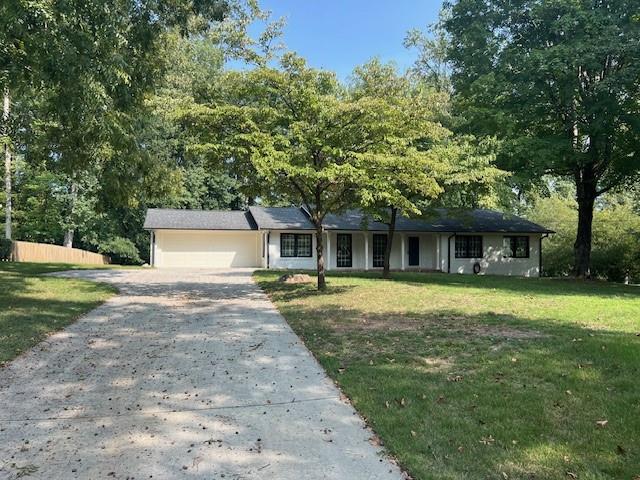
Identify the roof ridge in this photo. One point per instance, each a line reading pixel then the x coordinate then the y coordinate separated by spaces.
pixel 199 209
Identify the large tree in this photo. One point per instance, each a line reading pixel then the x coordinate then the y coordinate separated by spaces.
pixel 403 171
pixel 421 161
pixel 557 81
pixel 307 137
pixel 91 64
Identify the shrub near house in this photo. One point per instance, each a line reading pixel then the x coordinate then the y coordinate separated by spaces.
pixel 5 249
pixel 122 251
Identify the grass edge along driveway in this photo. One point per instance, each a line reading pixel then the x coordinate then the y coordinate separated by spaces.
pixel 469 377
pixel 33 305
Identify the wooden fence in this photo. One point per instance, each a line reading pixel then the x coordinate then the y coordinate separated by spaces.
pixel 42 252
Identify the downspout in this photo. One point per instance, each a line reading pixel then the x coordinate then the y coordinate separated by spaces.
pixel 546 235
pixel 268 249
pixel 449 252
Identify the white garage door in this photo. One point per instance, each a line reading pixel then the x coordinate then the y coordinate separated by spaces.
pixel 184 248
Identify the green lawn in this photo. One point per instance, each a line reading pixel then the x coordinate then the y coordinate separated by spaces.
pixel 33 306
pixel 468 377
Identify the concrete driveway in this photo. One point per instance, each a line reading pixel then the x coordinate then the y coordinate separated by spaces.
pixel 185 374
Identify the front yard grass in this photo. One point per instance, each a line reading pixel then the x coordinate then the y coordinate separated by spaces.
pixel 468 377
pixel 33 306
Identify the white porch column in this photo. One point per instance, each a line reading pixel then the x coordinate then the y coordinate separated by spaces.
pixel 366 251
pixel 265 249
pixel 438 260
pixel 402 249
pixel 152 260
pixel 327 260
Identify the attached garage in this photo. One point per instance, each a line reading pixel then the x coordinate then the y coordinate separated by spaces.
pixel 185 248
pixel 203 239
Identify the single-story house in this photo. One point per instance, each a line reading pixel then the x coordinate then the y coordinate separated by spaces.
pixel 474 241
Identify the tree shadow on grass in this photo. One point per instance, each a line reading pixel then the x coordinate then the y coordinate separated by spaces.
pixel 35 268
pixel 485 393
pixel 288 292
pixel 32 307
pixel 543 286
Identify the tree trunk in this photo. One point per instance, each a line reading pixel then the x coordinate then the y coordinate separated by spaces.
pixel 586 196
pixel 386 271
pixel 69 232
pixel 68 238
pixel 322 284
pixel 6 107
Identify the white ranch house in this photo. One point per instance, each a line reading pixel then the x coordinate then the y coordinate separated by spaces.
pixel 474 241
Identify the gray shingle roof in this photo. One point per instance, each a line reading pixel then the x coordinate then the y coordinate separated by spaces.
pixel 165 218
pixel 283 218
pixel 294 218
pixel 440 220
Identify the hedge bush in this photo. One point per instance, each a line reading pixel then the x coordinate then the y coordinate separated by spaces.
pixel 5 249
pixel 121 250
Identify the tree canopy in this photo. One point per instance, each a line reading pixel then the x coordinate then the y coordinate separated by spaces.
pixel 557 82
pixel 310 136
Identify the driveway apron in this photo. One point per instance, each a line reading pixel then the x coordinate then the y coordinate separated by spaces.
pixel 184 374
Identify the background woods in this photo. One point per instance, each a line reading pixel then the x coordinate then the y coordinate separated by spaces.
pixel 111 109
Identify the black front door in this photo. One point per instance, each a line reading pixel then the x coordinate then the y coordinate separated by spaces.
pixel 414 251
pixel 344 251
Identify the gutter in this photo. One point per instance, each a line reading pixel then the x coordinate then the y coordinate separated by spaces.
pixel 449 252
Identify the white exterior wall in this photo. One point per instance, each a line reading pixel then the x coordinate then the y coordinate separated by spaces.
pixel 357 246
pixel 493 261
pixel 206 248
pixel 293 263
pixel 427 251
pixel 221 249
